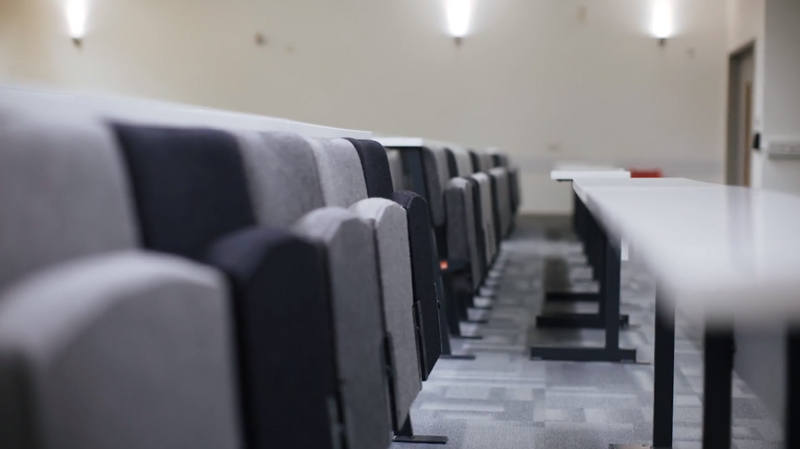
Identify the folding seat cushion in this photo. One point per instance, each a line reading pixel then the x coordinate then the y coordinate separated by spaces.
pixel 375 165
pixel 343 181
pixel 477 211
pixel 63 191
pixel 487 214
pixel 463 162
pixel 280 281
pixel 461 235
pixel 193 200
pixel 434 161
pixel 354 284
pixel 423 276
pixel 501 201
pixel 396 167
pixel 123 350
pixel 496 219
pixel 436 173
pixel 391 242
pixel 483 164
pixel 516 198
pixel 503 197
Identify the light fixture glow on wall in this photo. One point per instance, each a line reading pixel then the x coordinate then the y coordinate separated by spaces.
pixel 77 11
pixel 459 14
pixel 663 22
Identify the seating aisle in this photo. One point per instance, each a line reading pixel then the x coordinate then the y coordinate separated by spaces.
pixel 503 400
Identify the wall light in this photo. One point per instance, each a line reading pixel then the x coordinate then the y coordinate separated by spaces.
pixel 662 26
pixel 77 11
pixel 459 14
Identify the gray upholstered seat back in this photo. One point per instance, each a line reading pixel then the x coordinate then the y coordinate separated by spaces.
pixel 124 350
pixel 516 187
pixel 488 214
pixel 463 161
pixel 355 287
pixel 434 160
pixel 486 160
pixel 390 224
pixel 283 176
pixel 340 172
pixel 63 192
pixel 461 233
pixel 396 167
pixel 503 197
pixel 391 241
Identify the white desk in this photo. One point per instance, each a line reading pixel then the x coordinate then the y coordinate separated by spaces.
pixel 571 175
pixel 583 186
pixel 712 248
pixel 583 166
pixel 730 258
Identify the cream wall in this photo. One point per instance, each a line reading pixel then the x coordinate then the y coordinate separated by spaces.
pixel 533 77
pixel 772 25
pixel 781 108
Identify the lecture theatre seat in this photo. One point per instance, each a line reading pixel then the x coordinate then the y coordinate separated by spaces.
pixel 488 215
pixel 361 354
pixel 287 190
pixel 434 163
pixel 224 285
pixel 466 264
pixel 454 270
pixel 344 185
pixel 123 350
pixel 378 177
pixel 460 166
pixel 192 200
pixel 502 184
pixel 76 367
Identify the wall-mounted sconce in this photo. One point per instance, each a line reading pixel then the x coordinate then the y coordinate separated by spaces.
pixel 77 10
pixel 459 14
pixel 662 25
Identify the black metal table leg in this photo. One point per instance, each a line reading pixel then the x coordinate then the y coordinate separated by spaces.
pixel 792 413
pixel 664 379
pixel 717 388
pixel 609 274
pixel 664 382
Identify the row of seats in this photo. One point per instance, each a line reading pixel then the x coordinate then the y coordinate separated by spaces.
pixel 177 277
pixel 474 198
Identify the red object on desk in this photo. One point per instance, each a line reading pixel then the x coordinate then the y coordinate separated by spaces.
pixel 649 173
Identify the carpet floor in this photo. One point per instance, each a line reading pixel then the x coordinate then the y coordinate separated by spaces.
pixel 503 400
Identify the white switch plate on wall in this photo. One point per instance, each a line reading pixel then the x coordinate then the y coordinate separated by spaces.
pixel 783 149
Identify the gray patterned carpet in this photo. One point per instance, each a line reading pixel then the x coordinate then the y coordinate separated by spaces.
pixel 505 401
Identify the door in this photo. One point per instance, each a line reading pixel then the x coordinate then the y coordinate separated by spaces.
pixel 740 116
